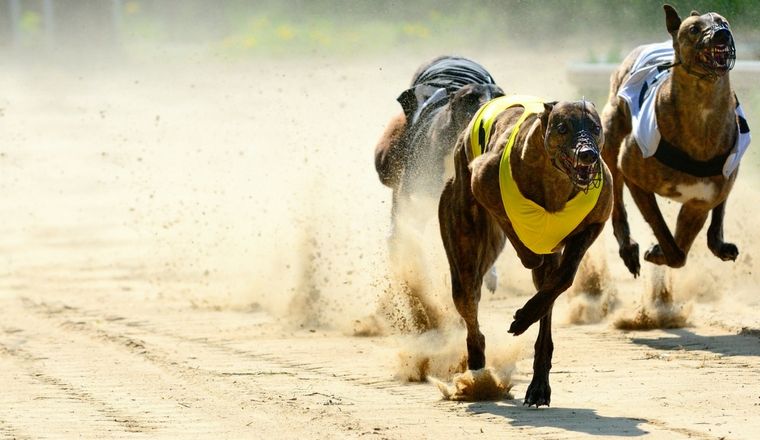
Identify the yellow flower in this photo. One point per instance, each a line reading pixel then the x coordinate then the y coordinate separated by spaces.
pixel 132 8
pixel 285 32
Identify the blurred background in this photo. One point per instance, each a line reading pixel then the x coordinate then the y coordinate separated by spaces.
pixel 237 28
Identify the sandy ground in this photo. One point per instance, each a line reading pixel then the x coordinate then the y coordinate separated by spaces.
pixel 185 252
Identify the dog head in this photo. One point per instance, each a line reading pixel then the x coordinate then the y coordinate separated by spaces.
pixel 467 100
pixel 572 139
pixel 704 44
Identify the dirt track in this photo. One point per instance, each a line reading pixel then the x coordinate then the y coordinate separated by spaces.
pixel 157 225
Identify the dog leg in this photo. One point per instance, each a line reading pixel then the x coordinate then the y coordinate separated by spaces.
pixel 473 241
pixel 616 126
pixel 628 249
pixel 539 392
pixel 470 257
pixel 557 281
pixel 690 221
pixel 721 249
pixel 666 251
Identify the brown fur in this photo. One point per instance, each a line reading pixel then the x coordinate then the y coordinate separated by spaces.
pixel 475 227
pixel 694 112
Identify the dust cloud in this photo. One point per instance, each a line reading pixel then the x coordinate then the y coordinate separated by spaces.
pixel 440 357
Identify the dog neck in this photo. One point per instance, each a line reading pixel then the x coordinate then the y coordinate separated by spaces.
pixel 697 114
pixel 536 176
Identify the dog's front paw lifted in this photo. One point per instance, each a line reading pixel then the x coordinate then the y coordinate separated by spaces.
pixel 726 252
pixel 531 312
pixel 630 256
pixel 520 323
pixel 539 393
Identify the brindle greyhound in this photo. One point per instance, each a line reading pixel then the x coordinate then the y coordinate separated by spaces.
pixel 410 156
pixel 551 166
pixel 700 124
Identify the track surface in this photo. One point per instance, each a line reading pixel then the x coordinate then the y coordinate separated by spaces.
pixel 131 305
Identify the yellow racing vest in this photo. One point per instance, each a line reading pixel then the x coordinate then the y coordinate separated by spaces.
pixel 539 230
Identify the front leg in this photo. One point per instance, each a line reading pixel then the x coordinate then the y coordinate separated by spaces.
pixel 539 392
pixel 557 281
pixel 616 120
pixel 628 249
pixel 721 249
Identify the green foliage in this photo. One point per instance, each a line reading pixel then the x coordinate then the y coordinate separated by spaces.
pixel 243 28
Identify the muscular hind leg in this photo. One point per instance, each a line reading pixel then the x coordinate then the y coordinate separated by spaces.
pixel 691 218
pixel 472 241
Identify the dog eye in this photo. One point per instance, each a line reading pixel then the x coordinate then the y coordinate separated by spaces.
pixel 694 29
pixel 596 129
pixel 561 128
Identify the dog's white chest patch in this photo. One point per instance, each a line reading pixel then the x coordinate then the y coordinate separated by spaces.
pixel 705 191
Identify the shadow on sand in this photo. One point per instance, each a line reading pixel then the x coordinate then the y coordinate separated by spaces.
pixel 744 344
pixel 569 419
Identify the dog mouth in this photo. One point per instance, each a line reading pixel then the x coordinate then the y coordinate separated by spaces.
pixel 718 58
pixel 584 175
pixel 583 166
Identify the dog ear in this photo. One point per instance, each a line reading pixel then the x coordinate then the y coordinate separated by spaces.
pixel 695 13
pixel 672 20
pixel 548 107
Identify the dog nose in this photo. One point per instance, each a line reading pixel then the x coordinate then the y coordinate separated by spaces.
pixel 722 36
pixel 587 156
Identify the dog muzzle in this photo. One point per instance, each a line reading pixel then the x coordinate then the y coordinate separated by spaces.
pixel 716 50
pixel 581 162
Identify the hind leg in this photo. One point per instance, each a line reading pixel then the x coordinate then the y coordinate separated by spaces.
pixel 667 250
pixel 390 152
pixel 721 249
pixel 472 241
pixel 691 218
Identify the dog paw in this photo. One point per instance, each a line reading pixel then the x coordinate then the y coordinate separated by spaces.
pixel 655 255
pixel 520 323
pixel 630 256
pixel 539 393
pixel 727 252
pixel 531 312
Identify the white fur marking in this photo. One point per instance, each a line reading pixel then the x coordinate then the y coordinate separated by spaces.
pixel 705 191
